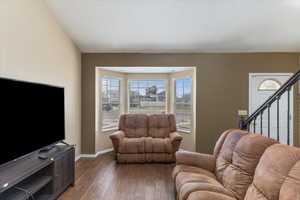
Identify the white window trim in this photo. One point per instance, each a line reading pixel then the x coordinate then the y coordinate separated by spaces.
pixel 167 87
pixel 100 113
pixel 192 103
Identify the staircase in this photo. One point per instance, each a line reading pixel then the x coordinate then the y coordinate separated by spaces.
pixel 254 122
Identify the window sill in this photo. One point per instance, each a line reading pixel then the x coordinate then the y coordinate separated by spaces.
pixel 184 131
pixel 109 130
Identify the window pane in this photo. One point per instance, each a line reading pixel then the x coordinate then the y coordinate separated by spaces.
pixel 179 83
pixel 179 94
pixel 142 84
pixel 187 81
pixel 114 83
pixel 269 85
pixel 142 92
pixel 161 94
pixel 133 84
pixel 149 97
pixel 151 83
pixel 161 84
pixel 187 87
pixel 183 104
pixel 110 103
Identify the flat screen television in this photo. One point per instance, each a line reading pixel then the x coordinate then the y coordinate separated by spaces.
pixel 32 117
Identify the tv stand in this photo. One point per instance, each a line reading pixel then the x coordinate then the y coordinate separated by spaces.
pixel 47 149
pixel 42 179
pixel 63 142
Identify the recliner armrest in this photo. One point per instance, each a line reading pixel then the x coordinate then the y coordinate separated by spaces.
pixel 119 135
pixel 174 136
pixel 175 141
pixel 116 139
pixel 204 161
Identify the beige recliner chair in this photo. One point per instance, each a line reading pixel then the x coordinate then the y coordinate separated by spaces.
pixel 146 138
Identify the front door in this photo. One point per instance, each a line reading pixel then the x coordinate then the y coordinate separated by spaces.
pixel 262 86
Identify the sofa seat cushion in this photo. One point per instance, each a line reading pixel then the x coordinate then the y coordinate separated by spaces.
pixel 187 183
pixel 190 177
pixel 132 145
pixel 191 169
pixel 205 195
pixel 213 187
pixel 158 145
pixel 159 126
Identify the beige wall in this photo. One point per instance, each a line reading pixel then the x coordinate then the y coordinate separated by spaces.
pixel 33 47
pixel 222 86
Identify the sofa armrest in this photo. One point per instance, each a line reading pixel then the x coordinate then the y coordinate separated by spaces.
pixel 175 140
pixel 204 161
pixel 116 139
pixel 174 136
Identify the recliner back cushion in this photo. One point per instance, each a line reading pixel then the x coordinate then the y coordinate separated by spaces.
pixel 134 125
pixel 160 125
pixel 237 156
pixel 277 176
pixel 172 122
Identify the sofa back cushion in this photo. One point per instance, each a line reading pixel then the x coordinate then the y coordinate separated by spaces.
pixel 134 125
pixel 277 175
pixel 161 125
pixel 237 155
pixel 172 122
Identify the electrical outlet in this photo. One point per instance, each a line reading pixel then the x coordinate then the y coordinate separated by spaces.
pixel 242 112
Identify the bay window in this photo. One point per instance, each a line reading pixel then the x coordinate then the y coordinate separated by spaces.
pixel 183 104
pixel 110 98
pixel 147 96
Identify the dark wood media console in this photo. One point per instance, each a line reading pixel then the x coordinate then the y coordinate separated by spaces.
pixel 42 179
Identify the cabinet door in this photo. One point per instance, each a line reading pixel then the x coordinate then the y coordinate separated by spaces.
pixel 64 171
pixel 69 168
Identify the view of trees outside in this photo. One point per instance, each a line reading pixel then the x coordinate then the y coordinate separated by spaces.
pixel 147 96
pixel 183 103
pixel 110 103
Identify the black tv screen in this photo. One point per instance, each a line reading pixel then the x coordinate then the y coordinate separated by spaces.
pixel 31 118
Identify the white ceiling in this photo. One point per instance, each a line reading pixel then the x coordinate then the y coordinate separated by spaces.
pixel 139 70
pixel 181 25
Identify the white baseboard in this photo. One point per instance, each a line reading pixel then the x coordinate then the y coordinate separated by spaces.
pixel 77 158
pixel 93 155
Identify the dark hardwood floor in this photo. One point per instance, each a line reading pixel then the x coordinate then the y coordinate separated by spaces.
pixel 102 179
